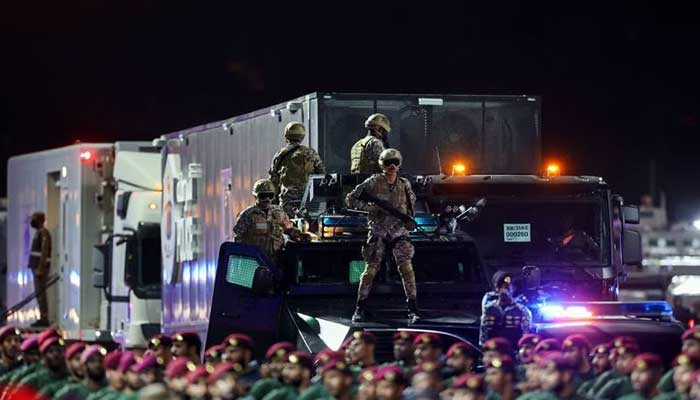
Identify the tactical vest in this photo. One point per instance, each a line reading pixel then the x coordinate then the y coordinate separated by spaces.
pixel 295 169
pixel 266 231
pixel 359 162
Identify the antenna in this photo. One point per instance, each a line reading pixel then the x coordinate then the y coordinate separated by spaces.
pixel 437 154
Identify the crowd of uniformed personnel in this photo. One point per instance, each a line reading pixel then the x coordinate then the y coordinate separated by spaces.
pixel 42 366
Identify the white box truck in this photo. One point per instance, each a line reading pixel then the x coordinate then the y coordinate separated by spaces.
pixel 102 206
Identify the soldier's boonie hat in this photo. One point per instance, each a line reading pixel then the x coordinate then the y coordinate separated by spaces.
pixel 529 339
pixel 160 340
pixel 199 372
pixel 215 351
pixel 547 345
pixel 368 374
pixel 239 340
pixel 460 348
pixel 469 381
pixel 301 358
pixel 280 350
pixel 390 373
pixel 90 351
pixel 504 363
pixel 337 365
pixel 404 335
pixel 29 344
pixel 646 361
pixel 111 360
pixel 578 341
pixel 431 339
pixel 692 334
pixel 49 342
pixel 499 344
pixel 178 367
pixel 9 330
pixel 364 336
pixel 74 349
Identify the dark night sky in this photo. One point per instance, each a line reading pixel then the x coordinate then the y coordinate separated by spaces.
pixel 619 83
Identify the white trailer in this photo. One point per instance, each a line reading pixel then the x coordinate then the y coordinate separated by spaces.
pixel 100 200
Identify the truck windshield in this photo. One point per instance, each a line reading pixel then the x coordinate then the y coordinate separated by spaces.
pixel 546 231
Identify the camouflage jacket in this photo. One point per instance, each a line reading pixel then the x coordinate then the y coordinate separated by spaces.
pixel 291 167
pixel 399 195
pixel 364 155
pixel 264 229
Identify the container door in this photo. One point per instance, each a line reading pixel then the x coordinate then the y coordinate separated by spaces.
pixel 237 304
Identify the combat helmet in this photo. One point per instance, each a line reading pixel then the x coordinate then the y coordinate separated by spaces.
pixel 380 120
pixel 389 154
pixel 263 186
pixel 294 132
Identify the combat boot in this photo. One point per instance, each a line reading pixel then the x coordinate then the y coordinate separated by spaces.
pixel 413 314
pixel 361 313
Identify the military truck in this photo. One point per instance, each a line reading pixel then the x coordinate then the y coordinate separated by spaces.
pixel 457 151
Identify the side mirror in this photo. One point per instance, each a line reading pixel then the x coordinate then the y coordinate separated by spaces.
pixel 630 214
pixel 102 264
pixel 122 205
pixel 131 262
pixel 631 247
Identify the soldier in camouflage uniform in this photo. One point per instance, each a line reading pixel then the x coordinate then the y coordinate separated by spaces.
pixel 292 166
pixel 366 151
pixel 386 231
pixel 264 224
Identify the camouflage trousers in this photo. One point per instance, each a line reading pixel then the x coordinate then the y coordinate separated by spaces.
pixel 289 200
pixel 373 252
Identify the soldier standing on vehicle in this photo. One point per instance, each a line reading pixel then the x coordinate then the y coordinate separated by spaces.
pixel 366 151
pixel 387 232
pixel 264 224
pixel 40 264
pixel 291 167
